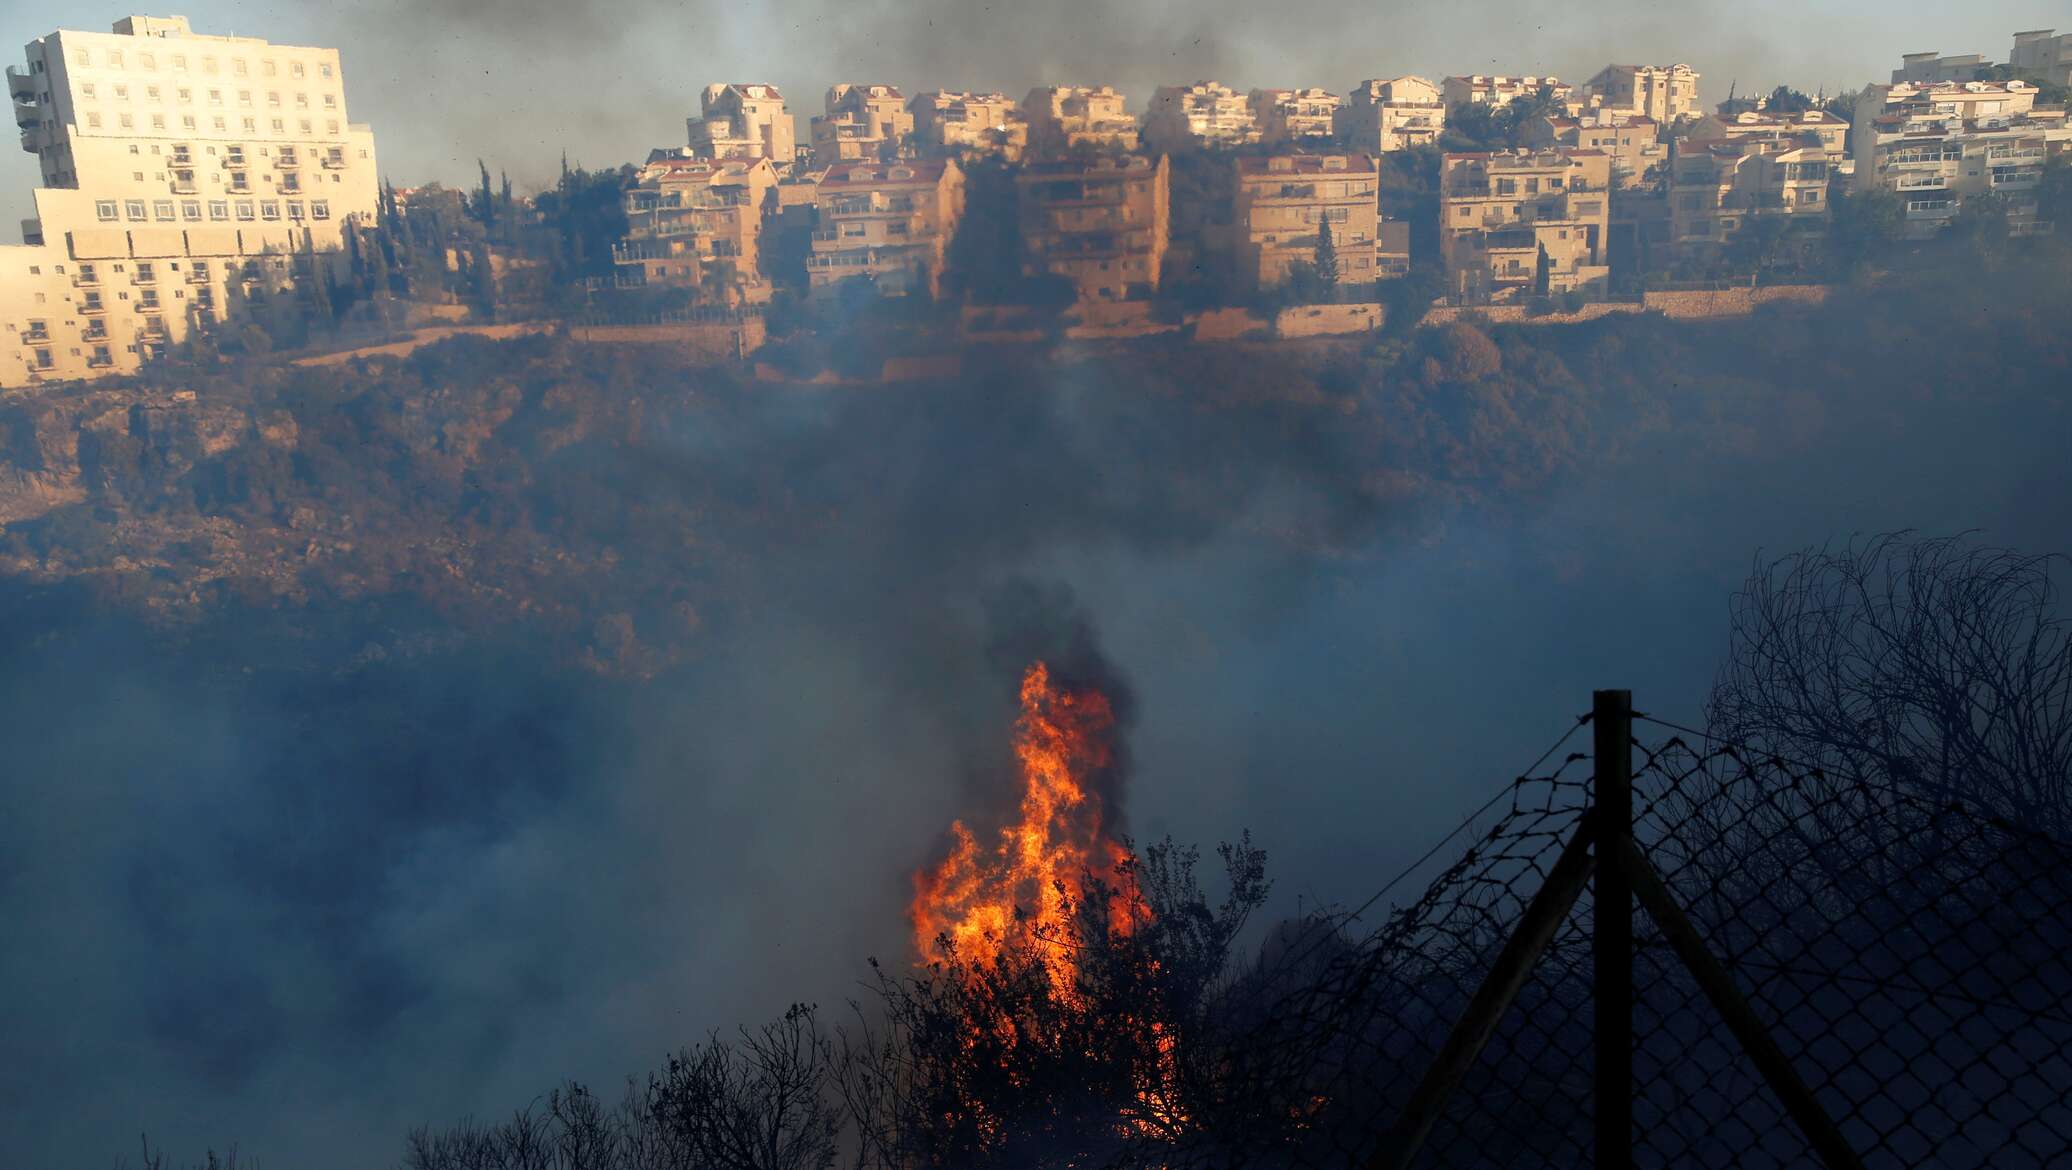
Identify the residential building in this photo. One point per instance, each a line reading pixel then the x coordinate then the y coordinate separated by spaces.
pixel 186 178
pixel 1480 89
pixel 863 123
pixel 1207 113
pixel 1634 143
pixel 1665 93
pixel 1283 201
pixel 1811 127
pixel 1720 186
pixel 889 223
pixel 1071 117
pixel 2043 53
pixel 969 124
pixel 1303 117
pixel 1102 223
pixel 1387 114
pixel 1936 145
pixel 697 223
pixel 1392 249
pixel 1500 212
pixel 1931 69
pixel 744 120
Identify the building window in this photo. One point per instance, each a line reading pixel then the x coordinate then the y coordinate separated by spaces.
pixel 128 122
pixel 180 62
pixel 122 93
pixel 219 209
pixel 295 69
pixel 279 127
pixel 86 89
pixel 268 68
pixel 245 211
pixel 190 209
pixel 93 121
pixel 320 209
pixel 147 61
pixel 273 99
pixel 238 66
pixel 104 210
pixel 269 209
pixel 301 101
pixel 295 210
pixel 134 209
pixel 162 210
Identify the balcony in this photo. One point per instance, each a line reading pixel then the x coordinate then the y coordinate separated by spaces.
pixel 333 162
pixel 28 115
pixel 95 331
pixel 21 85
pixel 37 335
pixel 198 274
pixel 286 161
pixel 87 278
pixel 93 308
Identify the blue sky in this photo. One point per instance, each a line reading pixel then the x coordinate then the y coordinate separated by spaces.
pixel 519 81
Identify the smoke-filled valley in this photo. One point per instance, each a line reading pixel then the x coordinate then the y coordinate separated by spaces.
pixel 393 739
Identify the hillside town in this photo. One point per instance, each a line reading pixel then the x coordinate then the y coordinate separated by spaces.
pixel 202 190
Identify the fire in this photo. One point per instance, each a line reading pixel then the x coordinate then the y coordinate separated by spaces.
pixel 982 900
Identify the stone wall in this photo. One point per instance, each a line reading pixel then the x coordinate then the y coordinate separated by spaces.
pixel 1328 320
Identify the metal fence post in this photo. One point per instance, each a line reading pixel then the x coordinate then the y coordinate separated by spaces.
pixel 1611 949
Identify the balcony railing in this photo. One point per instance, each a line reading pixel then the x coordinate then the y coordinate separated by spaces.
pixel 36 336
pixel 93 308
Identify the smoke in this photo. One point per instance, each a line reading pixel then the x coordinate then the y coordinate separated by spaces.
pixel 302 873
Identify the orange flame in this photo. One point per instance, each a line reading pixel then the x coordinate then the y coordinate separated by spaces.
pixel 980 901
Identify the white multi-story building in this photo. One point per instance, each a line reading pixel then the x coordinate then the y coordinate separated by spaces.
pixel 187 178
pixel 949 122
pixel 863 123
pixel 1305 117
pixel 743 120
pixel 1482 89
pixel 1932 68
pixel 1392 114
pixel 1936 145
pixel 2043 52
pixel 1665 93
pixel 1207 113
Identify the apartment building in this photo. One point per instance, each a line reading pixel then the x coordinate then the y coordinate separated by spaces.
pixel 744 120
pixel 1301 117
pixel 1719 186
pixel 1810 127
pixel 1933 69
pixel 1102 223
pixel 1936 145
pixel 1635 144
pixel 1387 114
pixel 697 223
pixel 1284 200
pixel 863 123
pixel 969 124
pixel 889 223
pixel 1501 211
pixel 187 179
pixel 1481 89
pixel 1190 117
pixel 2043 53
pixel 1665 93
pixel 1064 118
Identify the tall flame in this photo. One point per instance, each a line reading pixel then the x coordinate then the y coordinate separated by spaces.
pixel 980 901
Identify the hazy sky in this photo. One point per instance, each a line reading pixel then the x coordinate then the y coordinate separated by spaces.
pixel 519 81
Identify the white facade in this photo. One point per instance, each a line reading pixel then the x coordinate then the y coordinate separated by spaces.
pixel 1935 145
pixel 1392 114
pixel 185 178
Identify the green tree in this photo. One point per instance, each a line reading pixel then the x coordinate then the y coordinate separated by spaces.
pixel 1786 100
pixel 1326 258
pixel 1542 273
pixel 1864 227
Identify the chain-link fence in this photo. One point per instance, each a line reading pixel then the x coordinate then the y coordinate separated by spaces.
pixel 1903 961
